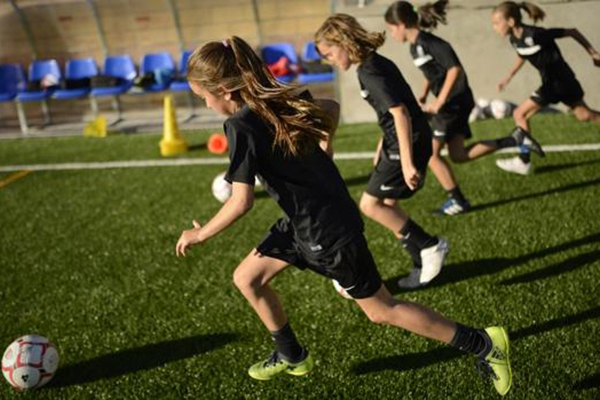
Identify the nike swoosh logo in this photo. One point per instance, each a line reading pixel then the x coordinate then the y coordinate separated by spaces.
pixel 385 188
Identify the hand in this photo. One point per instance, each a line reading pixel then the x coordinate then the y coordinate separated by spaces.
pixel 432 108
pixel 188 238
pixel 412 177
pixel 503 84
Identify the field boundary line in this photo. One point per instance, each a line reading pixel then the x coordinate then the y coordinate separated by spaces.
pixel 224 160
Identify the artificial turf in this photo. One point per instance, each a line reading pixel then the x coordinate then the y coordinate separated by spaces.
pixel 87 260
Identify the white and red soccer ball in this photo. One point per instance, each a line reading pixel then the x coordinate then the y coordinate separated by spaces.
pixel 29 362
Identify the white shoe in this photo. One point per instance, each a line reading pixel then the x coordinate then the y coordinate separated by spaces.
pixel 432 259
pixel 515 165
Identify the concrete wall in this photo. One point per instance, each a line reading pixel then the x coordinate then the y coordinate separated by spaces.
pixel 486 57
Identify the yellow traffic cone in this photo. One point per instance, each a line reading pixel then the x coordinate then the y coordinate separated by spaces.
pixel 96 127
pixel 172 142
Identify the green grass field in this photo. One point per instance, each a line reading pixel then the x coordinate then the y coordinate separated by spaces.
pixel 87 260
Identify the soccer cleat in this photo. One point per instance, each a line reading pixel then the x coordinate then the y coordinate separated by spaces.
pixel 495 362
pixel 454 207
pixel 515 165
pixel 275 365
pixel 412 280
pixel 432 259
pixel 527 143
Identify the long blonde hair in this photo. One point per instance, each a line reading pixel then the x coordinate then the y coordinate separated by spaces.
pixel 510 9
pixel 344 30
pixel 232 66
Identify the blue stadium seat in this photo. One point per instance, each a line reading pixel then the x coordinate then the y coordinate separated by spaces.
pixel 182 85
pixel 38 70
pixel 77 69
pixel 273 52
pixel 119 66
pixel 12 81
pixel 158 61
pixel 311 54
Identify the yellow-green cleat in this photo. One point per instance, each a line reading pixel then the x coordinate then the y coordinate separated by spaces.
pixel 496 363
pixel 275 365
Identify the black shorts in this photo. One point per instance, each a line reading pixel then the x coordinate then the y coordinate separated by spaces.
pixel 352 264
pixel 453 119
pixel 387 179
pixel 569 92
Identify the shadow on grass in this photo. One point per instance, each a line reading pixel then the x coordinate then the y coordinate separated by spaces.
pixel 544 169
pixel 570 264
pixel 138 359
pixel 590 382
pixel 406 362
pixel 457 272
pixel 574 186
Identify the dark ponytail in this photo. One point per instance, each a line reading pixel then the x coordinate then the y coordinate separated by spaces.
pixel 426 17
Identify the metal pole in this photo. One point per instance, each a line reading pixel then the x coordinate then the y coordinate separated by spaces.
pixel 26 28
pixel 175 15
pixel 257 21
pixel 101 34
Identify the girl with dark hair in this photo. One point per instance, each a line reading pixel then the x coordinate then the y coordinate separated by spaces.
pixel 277 135
pixel 559 84
pixel 446 78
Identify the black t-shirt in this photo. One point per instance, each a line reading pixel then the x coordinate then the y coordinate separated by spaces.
pixel 537 46
pixel 435 56
pixel 309 188
pixel 383 87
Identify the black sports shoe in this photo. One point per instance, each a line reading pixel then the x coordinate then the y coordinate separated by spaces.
pixel 526 142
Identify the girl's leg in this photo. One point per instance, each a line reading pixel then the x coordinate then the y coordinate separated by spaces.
pixel 457 203
pixel 491 345
pixel 584 113
pixel 522 164
pixel 427 252
pixel 440 167
pixel 252 278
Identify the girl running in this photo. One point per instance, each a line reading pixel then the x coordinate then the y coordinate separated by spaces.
pixel 537 45
pixel 404 150
pixel 276 135
pixel 446 78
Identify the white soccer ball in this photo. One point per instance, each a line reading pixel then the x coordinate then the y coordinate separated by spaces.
pixel 341 291
pixel 29 362
pixel 500 109
pixel 221 188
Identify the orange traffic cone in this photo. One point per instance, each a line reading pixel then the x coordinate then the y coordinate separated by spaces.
pixel 217 143
pixel 172 142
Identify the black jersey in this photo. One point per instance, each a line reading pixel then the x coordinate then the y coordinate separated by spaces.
pixel 383 87
pixel 309 188
pixel 435 56
pixel 537 46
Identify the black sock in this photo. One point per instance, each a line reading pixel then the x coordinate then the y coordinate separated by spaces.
pixel 414 234
pixel 525 157
pixel 508 141
pixel 471 340
pixel 413 251
pixel 457 194
pixel 286 344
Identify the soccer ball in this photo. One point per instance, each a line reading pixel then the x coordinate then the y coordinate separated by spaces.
pixel 29 362
pixel 341 291
pixel 501 109
pixel 221 188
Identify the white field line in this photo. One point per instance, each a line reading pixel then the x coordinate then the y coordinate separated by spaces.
pixel 224 160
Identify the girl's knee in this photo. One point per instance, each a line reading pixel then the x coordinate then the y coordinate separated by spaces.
pixel 367 205
pixel 378 317
pixel 244 280
pixel 582 114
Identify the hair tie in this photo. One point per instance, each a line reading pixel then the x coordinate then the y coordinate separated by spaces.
pixel 225 42
pixel 416 9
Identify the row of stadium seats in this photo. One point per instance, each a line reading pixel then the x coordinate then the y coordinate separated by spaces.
pixel 83 79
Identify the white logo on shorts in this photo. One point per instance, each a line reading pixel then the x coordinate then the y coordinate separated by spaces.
pixel 385 188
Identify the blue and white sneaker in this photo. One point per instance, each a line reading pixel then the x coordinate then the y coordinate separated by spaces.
pixel 454 207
